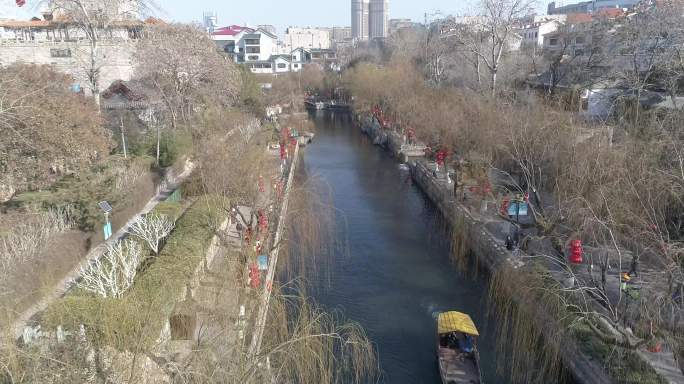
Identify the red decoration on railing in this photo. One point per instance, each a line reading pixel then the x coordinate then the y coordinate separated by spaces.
pixel 21 3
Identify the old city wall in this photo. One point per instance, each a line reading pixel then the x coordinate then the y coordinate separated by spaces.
pixel 73 58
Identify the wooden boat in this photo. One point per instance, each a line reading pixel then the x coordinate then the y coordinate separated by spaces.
pixel 459 361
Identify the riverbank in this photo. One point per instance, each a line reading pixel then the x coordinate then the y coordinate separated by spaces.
pixel 482 236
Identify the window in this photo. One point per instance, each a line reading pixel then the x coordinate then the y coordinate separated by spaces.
pixel 536 35
pixel 296 65
pixel 251 41
pixel 253 49
pixel 282 65
pixel 579 40
pixel 553 41
pixel 579 52
pixel 252 57
pixel 56 52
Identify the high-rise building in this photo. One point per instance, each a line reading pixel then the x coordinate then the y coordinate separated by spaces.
pixel 588 6
pixel 210 21
pixel 379 19
pixel 360 22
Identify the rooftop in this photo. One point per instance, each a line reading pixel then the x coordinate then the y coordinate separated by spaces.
pixel 231 30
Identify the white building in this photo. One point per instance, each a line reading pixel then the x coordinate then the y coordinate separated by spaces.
pixel 258 45
pixel 210 21
pixel 309 38
pixel 534 31
pixel 246 44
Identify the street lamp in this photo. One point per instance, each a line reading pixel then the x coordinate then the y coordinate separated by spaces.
pixel 107 209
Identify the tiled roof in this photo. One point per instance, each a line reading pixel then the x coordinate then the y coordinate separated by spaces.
pixel 9 23
pixel 610 12
pixel 579 18
pixel 231 30
pixel 38 23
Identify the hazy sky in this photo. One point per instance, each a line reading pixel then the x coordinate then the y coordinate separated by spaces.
pixel 281 13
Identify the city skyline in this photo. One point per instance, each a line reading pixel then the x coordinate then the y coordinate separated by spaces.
pixel 302 13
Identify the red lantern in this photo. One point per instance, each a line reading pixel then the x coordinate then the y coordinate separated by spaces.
pixel 254 278
pixel 441 156
pixel 576 251
pixel 20 3
pixel 487 189
pixel 279 188
pixel 262 188
pixel 504 206
pixel 656 348
pixel 263 221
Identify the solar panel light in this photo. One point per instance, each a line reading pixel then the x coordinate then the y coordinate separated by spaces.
pixel 105 207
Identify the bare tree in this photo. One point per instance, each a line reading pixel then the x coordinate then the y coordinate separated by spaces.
pixel 491 34
pixel 182 63
pixel 436 54
pixel 40 126
pixel 95 19
pixel 648 53
pixel 152 228
pixel 24 242
pixel 111 274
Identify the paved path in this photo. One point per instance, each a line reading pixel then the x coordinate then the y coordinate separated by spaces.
pixel 62 287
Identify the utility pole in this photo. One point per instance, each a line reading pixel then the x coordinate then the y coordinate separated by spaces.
pixel 123 138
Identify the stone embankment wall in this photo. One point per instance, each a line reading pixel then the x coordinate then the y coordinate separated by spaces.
pixel 490 252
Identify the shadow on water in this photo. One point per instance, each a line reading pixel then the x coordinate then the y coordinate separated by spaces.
pixel 394 275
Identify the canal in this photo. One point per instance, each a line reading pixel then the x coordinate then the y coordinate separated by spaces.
pixel 394 275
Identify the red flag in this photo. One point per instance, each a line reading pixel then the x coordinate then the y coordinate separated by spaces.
pixel 20 3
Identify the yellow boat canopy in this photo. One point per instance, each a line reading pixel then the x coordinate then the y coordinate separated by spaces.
pixel 455 322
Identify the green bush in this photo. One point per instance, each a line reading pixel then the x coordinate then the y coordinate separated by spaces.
pixel 173 146
pixel 136 320
pixel 81 192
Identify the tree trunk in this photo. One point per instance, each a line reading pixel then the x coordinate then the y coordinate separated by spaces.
pixel 493 83
pixel 94 75
pixel 158 141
